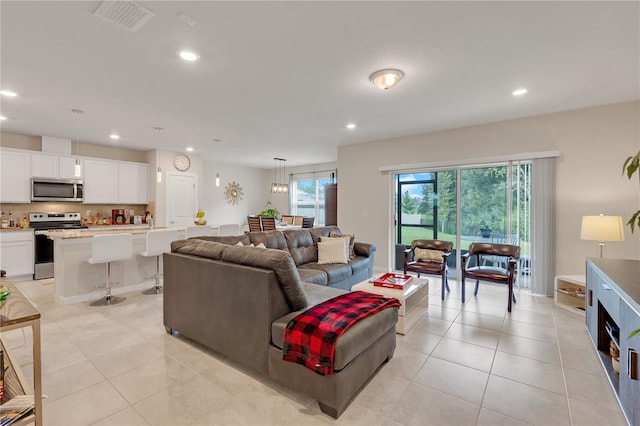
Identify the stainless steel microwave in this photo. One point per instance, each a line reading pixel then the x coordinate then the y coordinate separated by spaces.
pixel 56 189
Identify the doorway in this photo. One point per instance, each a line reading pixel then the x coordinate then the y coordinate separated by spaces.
pixel 182 198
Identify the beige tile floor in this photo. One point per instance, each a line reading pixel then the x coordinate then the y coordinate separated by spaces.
pixel 461 365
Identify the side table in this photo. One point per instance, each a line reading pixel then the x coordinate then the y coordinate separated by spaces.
pixel 569 293
pixel 19 312
pixel 414 299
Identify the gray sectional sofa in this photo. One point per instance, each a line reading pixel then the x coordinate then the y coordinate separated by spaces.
pixel 237 301
pixel 302 245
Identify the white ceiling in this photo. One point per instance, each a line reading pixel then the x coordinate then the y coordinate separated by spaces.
pixel 282 79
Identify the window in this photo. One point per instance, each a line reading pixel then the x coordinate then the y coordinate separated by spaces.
pixel 307 195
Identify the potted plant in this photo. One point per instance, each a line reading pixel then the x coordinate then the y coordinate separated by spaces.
pixel 269 211
pixel 631 166
pixel 485 231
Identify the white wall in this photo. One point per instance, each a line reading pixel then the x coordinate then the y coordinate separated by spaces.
pixel 593 144
pixel 255 186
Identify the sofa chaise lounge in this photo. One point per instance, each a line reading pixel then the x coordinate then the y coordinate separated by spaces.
pixel 237 301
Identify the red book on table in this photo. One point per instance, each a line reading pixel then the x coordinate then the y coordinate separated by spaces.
pixel 391 280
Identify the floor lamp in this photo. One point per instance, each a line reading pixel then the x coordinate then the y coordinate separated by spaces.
pixel 602 228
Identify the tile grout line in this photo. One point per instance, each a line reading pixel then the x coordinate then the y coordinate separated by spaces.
pixel 564 376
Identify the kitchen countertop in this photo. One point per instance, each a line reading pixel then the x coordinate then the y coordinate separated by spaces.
pixel 16 229
pixel 95 230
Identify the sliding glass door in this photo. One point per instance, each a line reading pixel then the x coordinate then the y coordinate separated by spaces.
pixel 490 202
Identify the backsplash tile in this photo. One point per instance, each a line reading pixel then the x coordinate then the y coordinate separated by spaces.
pixel 21 210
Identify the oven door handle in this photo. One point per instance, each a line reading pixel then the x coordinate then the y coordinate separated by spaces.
pixel 41 232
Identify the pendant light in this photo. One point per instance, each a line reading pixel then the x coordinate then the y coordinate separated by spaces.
pixel 159 169
pixel 279 186
pixel 217 141
pixel 77 170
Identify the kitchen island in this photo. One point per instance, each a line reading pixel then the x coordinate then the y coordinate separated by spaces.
pixel 78 281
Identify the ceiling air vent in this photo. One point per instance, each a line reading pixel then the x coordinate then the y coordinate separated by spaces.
pixel 126 14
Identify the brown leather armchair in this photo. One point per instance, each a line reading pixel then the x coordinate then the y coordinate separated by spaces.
pixel 429 262
pixel 491 273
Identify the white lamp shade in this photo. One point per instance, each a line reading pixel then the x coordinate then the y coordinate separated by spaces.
pixel 602 228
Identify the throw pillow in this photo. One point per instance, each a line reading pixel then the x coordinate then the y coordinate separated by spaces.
pixel 351 237
pixel 332 250
pixel 427 255
pixel 239 244
pixel 261 245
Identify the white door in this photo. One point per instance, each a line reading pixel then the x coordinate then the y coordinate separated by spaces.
pixel 182 198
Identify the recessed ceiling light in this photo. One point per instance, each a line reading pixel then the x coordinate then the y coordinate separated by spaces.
pixel 158 129
pixel 2 117
pixel 189 149
pixel 188 55
pixel 519 92
pixel 351 126
pixel 114 136
pixel 8 93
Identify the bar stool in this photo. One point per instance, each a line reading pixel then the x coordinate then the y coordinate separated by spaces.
pixel 229 229
pixel 198 231
pixel 158 242
pixel 107 249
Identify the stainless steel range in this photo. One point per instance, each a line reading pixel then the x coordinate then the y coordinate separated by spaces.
pixel 43 246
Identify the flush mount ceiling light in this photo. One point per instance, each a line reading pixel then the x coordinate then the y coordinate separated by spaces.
pixel 8 93
pixel 519 92
pixel 189 55
pixel 386 79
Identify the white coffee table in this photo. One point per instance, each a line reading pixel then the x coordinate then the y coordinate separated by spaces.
pixel 414 299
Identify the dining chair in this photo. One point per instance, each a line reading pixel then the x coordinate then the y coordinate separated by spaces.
pixel 287 218
pixel 255 223
pixel 268 224
pixel 307 222
pixel 297 220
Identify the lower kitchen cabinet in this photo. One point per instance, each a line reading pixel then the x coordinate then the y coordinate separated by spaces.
pixel 16 253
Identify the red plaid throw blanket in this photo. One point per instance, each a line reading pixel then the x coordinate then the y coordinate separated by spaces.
pixel 310 338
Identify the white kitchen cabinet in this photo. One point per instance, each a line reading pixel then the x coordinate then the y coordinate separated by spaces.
pixel 16 252
pixel 100 181
pixel 133 183
pixel 53 166
pixel 45 166
pixel 15 177
pixel 109 182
